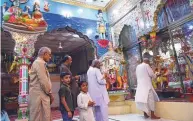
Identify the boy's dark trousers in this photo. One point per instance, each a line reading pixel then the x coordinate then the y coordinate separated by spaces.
pixel 65 116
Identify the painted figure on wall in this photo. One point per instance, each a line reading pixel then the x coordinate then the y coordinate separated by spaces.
pixel 36 7
pixel 4 8
pixel 15 15
pixel 15 2
pixel 14 9
pixel 101 29
pixel 25 12
pixel 46 6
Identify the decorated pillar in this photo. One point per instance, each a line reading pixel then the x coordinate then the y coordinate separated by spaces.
pixel 24 49
pixel 24 29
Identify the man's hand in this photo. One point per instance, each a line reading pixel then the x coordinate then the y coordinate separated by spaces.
pixel 91 103
pixel 105 76
pixel 51 98
pixel 69 114
pixel 153 68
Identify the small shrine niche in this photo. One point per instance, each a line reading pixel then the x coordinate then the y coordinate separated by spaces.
pixel 113 64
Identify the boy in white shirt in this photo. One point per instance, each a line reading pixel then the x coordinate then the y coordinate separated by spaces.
pixel 85 103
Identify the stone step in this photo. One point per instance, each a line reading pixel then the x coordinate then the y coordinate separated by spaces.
pixel 119 109
pixel 118 103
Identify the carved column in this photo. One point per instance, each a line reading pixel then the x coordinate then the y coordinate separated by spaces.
pixel 24 50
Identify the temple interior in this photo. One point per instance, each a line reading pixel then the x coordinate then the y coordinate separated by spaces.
pixel 117 33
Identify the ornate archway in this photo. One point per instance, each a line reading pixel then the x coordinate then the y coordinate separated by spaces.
pixel 128 41
pixel 69 41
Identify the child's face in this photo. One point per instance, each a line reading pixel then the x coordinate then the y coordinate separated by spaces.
pixel 66 79
pixel 84 87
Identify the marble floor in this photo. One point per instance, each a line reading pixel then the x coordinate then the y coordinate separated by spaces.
pixel 130 117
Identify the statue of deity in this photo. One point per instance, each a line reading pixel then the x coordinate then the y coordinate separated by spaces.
pixel 101 29
pixel 115 69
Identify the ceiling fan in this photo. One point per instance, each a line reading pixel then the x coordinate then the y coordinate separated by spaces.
pixel 60 48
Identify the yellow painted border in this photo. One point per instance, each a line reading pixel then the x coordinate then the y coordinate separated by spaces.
pixel 85 5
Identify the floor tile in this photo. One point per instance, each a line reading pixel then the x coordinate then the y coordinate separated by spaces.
pixel 129 117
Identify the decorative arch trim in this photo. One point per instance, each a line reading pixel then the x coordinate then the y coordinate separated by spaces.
pixel 155 17
pixel 85 37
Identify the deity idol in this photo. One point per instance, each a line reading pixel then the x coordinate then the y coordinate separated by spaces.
pixel 101 29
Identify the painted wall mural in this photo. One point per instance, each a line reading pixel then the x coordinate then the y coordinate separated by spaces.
pixel 140 16
pixel 120 9
pixel 148 15
pixel 134 19
pixel 60 8
pixel 86 24
pixel 149 7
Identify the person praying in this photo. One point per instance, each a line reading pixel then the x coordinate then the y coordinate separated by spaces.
pixel 98 91
pixel 146 96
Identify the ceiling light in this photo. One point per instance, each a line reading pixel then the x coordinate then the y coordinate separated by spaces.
pixel 190 27
pixel 89 31
pixel 80 11
pixel 67 14
pixel 60 45
pixel 115 12
pixel 89 0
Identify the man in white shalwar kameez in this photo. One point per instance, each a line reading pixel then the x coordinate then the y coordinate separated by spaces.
pixel 85 103
pixel 146 96
pixel 98 92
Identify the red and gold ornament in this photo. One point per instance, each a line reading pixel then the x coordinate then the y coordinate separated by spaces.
pixel 153 36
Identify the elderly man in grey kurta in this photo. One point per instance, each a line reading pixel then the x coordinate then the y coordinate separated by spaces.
pixel 40 88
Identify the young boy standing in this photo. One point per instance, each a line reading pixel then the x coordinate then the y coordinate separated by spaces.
pixel 65 96
pixel 85 103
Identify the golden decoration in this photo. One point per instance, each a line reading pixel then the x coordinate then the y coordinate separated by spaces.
pixel 114 97
pixel 86 5
pixel 153 34
pixel 119 50
pixel 110 4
